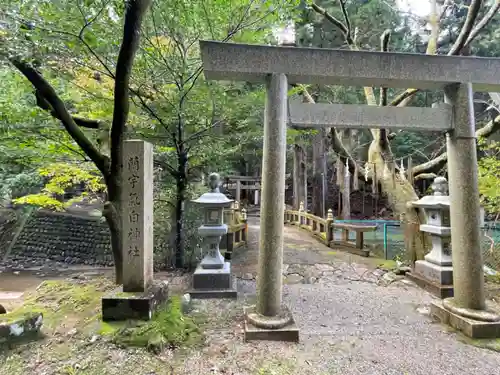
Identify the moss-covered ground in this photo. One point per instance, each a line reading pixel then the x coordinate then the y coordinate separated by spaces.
pixel 74 340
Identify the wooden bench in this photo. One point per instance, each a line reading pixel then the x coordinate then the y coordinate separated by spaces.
pixel 357 247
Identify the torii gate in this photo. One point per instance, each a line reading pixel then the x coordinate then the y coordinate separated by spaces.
pixel 279 66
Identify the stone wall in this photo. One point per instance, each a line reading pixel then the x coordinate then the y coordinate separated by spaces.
pixel 62 238
pixel 8 223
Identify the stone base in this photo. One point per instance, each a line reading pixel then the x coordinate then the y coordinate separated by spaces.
pixel 441 275
pixel 214 283
pixel 472 328
pixel 121 305
pixel 441 291
pixel 209 279
pixel 203 293
pixel 289 332
pixel 19 327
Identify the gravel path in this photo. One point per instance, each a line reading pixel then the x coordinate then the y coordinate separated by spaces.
pixel 346 327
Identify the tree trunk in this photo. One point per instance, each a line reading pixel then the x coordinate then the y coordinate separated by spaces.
pixel 181 187
pixel 399 193
pixel 319 152
pixel 299 176
pixel 112 213
pixel 346 196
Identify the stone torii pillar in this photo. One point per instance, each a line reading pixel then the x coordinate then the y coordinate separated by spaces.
pixel 238 191
pixel 467 309
pixel 270 319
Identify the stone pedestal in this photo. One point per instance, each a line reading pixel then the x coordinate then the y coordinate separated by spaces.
pixel 140 294
pixel 120 305
pixel 212 278
pixel 435 273
pixel 214 283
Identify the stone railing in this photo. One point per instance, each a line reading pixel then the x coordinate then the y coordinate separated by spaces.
pixel 236 237
pixel 323 229
pixel 317 226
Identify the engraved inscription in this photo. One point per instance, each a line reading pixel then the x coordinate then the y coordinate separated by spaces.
pixel 133 200
pixel 133 251
pixel 134 234
pixel 133 180
pixel 134 206
pixel 133 164
pixel 133 216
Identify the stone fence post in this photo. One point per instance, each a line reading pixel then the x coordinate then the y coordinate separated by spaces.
pixel 301 212
pixel 329 226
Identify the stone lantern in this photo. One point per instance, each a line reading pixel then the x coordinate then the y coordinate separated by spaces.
pixel 435 273
pixel 212 278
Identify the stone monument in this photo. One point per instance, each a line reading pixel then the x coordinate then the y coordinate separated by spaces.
pixel 435 273
pixel 212 278
pixel 140 294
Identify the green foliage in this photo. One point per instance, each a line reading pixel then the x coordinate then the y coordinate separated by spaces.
pixel 489 175
pixel 62 177
pixel 29 136
pixel 195 125
pixel 487 43
pixel 370 18
pixel 169 327
pixel 16 185
pixel 41 200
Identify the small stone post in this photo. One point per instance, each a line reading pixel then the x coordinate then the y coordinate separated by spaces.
pixel 137 215
pixel 270 318
pixel 329 226
pixel 244 219
pixel 301 211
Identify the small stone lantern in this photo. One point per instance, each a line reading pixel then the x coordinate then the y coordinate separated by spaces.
pixel 435 273
pixel 212 278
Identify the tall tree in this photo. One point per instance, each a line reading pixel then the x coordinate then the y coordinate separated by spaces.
pixel 171 105
pixel 380 155
pixel 109 166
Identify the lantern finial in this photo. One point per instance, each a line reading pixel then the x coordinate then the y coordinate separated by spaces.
pixel 214 182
